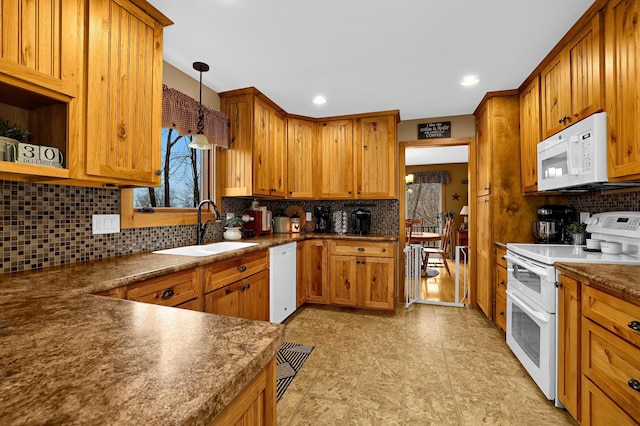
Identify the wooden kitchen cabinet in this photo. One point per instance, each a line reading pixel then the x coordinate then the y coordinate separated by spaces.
pixel 301 135
pixel 173 289
pixel 124 94
pixel 501 288
pixel 247 298
pixel 569 340
pixel 376 156
pixel 363 274
pixel 255 163
pixel 572 86
pixel 334 160
pixel 301 283
pixel 530 135
pixel 622 56
pixel 499 201
pixel 316 254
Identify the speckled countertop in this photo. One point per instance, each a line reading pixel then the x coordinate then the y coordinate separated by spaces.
pixel 69 357
pixel 621 279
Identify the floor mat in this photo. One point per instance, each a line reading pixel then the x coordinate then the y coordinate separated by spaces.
pixel 289 360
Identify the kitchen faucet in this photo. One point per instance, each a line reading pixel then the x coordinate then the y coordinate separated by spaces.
pixel 202 227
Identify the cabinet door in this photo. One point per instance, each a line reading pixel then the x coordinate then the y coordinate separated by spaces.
pixel 261 140
pixel 235 163
pixel 225 301
pixel 124 92
pixel 598 409
pixel 483 259
pixel 301 283
pixel 41 42
pixel 300 143
pixel 344 280
pixel 317 271
pixel 569 371
pixel 483 139
pixel 529 136
pixel 377 282
pixel 255 297
pixel 278 154
pixel 333 170
pixel 623 89
pixel 376 157
pixel 554 91
pixel 167 290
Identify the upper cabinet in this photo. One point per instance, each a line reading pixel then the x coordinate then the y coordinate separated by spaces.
pixel 236 163
pixel 269 156
pixel 376 152
pixel 124 93
pixel 85 78
pixel 301 135
pixel 529 135
pixel 483 141
pixel 623 89
pixel 571 84
pixel 334 168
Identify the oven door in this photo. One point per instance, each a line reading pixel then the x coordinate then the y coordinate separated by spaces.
pixel 531 337
pixel 535 280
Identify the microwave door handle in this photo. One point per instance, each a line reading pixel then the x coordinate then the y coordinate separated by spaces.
pixel 526 308
pixel 574 155
pixel 535 269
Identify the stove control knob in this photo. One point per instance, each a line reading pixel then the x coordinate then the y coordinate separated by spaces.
pixel 593 220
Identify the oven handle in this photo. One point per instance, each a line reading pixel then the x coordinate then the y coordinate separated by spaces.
pixel 522 305
pixel 535 269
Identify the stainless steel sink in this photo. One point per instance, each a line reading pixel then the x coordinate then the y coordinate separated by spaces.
pixel 207 249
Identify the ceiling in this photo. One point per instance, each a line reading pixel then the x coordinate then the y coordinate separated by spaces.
pixel 366 55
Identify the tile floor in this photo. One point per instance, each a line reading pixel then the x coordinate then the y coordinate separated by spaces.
pixel 427 365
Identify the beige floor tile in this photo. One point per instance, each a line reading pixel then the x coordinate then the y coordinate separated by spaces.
pixel 430 404
pixel 333 385
pixel 365 416
pixel 287 406
pixel 378 394
pixel 320 411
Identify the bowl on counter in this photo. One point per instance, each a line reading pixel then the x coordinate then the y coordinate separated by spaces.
pixel 593 244
pixel 610 247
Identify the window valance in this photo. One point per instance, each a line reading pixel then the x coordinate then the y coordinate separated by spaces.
pixel 180 112
pixel 436 176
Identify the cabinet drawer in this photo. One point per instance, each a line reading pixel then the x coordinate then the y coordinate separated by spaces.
pixel 611 363
pixel 360 248
pixel 500 260
pixel 227 271
pixel 599 409
pixel 501 281
pixel 612 313
pixel 501 313
pixel 192 305
pixel 169 290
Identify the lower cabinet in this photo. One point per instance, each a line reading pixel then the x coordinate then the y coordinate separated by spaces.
pixel 501 288
pixel 301 283
pixel 316 271
pixel 362 274
pixel 247 298
pixel 255 405
pixel 569 318
pixel 179 289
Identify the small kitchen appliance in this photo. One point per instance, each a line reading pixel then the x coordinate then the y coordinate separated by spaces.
pixel 256 227
pixel 323 218
pixel 532 292
pixel 361 221
pixel 551 223
pixel 281 223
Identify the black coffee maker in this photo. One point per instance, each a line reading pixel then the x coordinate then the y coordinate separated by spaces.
pixel 361 221
pixel 323 218
pixel 552 224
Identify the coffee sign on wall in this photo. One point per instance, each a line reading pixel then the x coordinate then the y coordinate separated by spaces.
pixel 441 129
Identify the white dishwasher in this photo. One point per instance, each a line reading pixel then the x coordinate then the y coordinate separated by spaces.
pixel 282 282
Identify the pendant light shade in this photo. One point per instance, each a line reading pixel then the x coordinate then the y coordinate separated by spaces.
pixel 199 140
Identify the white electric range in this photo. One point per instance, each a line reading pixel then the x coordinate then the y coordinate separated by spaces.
pixel 531 290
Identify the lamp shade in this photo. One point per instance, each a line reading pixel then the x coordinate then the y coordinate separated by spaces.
pixel 464 211
pixel 199 141
pixel 408 179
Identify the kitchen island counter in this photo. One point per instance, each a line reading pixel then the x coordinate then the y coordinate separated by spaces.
pixel 620 279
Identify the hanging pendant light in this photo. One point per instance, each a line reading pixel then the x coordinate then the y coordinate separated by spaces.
pixel 199 140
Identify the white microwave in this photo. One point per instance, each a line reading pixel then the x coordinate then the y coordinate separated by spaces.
pixel 575 157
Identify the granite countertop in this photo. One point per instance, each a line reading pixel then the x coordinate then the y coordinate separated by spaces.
pixel 621 279
pixel 67 356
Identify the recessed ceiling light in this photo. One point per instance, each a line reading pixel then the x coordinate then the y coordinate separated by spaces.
pixel 470 80
pixel 319 100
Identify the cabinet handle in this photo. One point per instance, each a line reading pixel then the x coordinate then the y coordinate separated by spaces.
pixel 360 248
pixel 634 384
pixel 558 284
pixel 158 172
pixel 167 294
pixel 348 285
pixel 486 188
pixel 634 325
pixel 502 313
pixel 242 268
pixel 502 283
pixel 227 291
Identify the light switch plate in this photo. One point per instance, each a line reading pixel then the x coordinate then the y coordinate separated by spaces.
pixel 307 215
pixel 584 216
pixel 105 223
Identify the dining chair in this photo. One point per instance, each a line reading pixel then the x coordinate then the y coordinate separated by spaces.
pixel 445 242
pixel 411 226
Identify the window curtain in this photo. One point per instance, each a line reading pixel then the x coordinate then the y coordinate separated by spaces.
pixel 437 176
pixel 180 112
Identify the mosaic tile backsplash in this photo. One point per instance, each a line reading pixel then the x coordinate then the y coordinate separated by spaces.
pixel 47 225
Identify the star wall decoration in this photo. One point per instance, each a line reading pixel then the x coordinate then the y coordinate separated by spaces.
pixel 455 196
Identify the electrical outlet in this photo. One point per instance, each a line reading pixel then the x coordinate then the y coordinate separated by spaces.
pixel 307 215
pixel 105 223
pixel 584 216
pixel 230 215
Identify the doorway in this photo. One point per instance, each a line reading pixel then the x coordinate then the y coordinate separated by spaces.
pixel 437 284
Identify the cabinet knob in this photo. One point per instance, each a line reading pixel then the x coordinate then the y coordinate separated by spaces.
pixel 167 294
pixel 558 284
pixel 242 268
pixel 634 325
pixel 360 248
pixel 634 384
